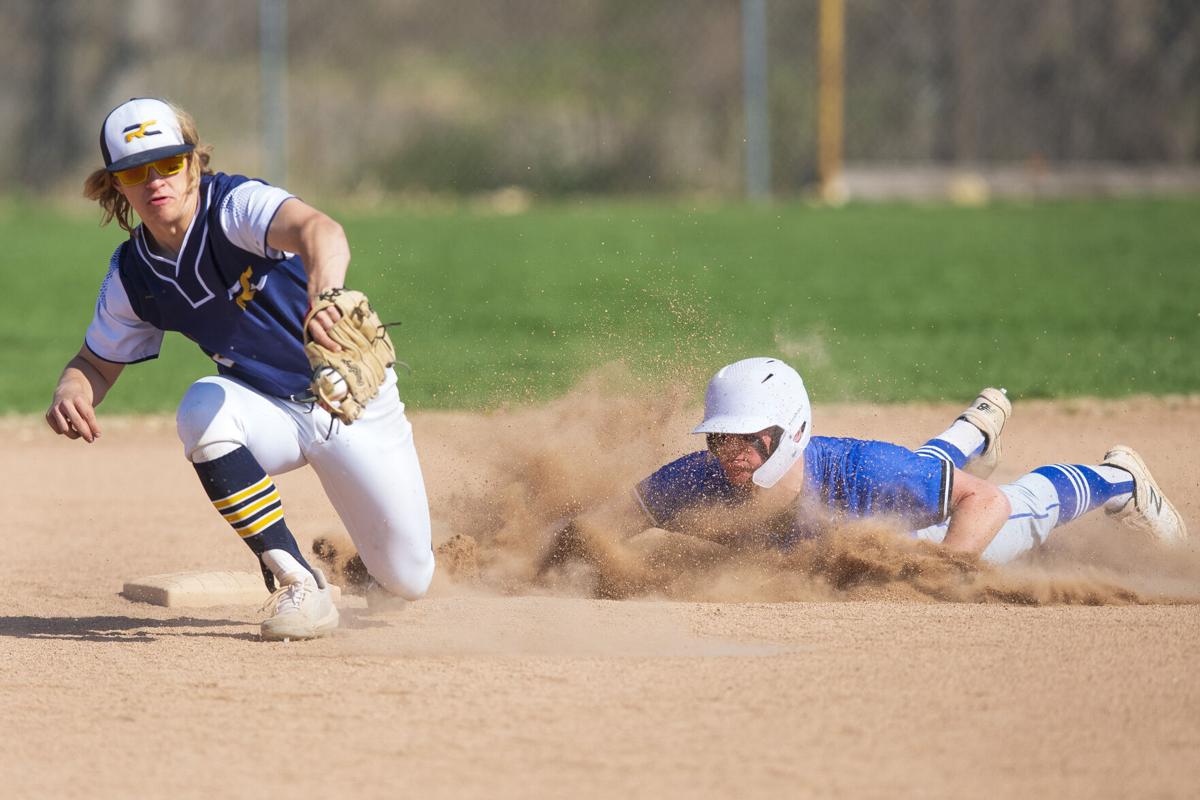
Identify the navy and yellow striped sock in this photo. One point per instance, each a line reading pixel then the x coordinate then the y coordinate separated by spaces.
pixel 247 498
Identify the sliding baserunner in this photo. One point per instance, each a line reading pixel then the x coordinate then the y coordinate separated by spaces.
pixel 758 427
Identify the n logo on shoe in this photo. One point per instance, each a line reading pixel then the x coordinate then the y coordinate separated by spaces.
pixel 1156 500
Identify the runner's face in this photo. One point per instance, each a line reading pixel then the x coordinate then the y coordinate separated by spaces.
pixel 740 454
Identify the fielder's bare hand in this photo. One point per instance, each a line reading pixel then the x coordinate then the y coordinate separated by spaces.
pixel 73 417
pixel 83 384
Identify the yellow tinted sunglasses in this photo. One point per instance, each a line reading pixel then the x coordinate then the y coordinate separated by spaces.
pixel 171 165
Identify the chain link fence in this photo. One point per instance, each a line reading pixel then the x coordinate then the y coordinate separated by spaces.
pixel 613 96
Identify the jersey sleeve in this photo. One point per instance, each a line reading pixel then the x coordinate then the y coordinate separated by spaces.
pixel 246 214
pixel 914 487
pixel 116 333
pixel 685 483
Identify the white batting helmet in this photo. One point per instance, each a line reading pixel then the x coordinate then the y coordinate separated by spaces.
pixel 755 394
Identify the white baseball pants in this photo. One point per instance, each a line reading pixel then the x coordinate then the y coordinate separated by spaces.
pixel 369 470
pixel 1035 507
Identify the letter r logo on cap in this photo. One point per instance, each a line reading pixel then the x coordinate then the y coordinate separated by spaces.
pixel 139 131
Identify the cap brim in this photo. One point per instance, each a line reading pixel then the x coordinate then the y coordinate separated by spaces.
pixel 147 156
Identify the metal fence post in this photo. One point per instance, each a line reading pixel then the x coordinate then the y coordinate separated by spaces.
pixel 273 47
pixel 831 100
pixel 754 75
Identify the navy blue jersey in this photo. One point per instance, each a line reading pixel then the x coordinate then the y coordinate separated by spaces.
pixel 244 307
pixel 844 477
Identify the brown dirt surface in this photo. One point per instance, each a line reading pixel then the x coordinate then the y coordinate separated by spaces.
pixel 867 666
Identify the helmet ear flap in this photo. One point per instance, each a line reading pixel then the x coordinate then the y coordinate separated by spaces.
pixel 788 450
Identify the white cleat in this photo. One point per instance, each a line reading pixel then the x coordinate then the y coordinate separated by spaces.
pixel 303 609
pixel 1149 510
pixel 988 413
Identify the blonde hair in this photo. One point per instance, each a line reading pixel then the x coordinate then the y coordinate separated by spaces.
pixel 101 185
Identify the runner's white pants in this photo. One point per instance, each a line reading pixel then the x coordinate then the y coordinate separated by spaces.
pixel 369 470
pixel 1034 514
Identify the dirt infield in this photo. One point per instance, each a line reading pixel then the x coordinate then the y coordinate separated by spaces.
pixel 1072 674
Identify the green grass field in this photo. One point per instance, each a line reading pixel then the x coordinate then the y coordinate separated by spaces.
pixel 879 303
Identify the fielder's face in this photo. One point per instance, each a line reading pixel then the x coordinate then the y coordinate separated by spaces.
pixel 161 202
pixel 740 453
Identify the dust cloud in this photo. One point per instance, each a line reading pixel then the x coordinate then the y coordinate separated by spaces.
pixel 544 506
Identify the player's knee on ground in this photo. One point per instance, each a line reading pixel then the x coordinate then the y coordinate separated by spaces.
pixel 401 571
pixel 203 423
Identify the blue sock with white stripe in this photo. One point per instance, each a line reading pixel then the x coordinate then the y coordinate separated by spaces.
pixel 247 498
pixel 1081 488
pixel 957 445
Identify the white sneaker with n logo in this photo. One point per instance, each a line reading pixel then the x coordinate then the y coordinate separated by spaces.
pixel 1149 511
pixel 303 608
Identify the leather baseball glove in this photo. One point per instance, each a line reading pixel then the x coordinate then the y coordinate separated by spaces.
pixel 344 381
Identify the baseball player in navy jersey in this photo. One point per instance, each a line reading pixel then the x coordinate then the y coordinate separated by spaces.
pixel 758 427
pixel 234 264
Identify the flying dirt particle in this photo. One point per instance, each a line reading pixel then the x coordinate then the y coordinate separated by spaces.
pixel 459 559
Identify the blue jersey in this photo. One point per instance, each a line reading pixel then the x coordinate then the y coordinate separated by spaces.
pixel 244 307
pixel 842 476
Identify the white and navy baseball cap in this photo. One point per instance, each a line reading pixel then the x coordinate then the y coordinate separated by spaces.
pixel 140 131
